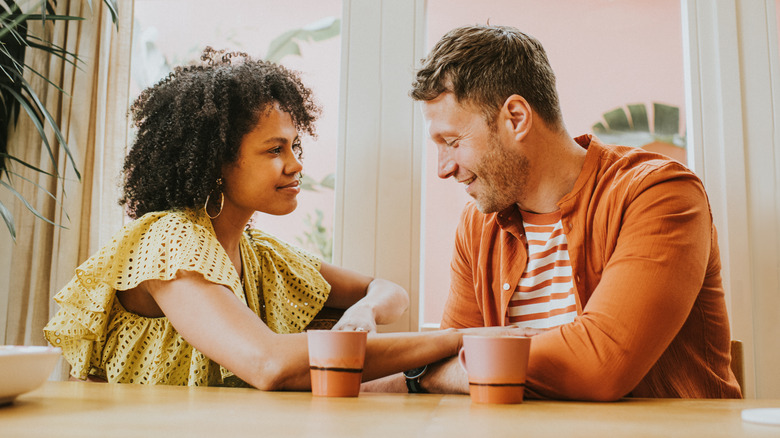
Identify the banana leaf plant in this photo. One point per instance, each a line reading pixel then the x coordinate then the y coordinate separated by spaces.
pixel 18 97
pixel 630 126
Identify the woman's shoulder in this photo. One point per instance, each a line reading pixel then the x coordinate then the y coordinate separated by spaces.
pixel 176 221
pixel 167 229
pixel 156 246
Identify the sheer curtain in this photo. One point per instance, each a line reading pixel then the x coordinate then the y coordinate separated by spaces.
pixel 93 119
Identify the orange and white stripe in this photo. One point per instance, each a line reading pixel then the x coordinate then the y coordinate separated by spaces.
pixel 544 298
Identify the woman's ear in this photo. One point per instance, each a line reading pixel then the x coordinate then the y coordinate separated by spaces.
pixel 516 116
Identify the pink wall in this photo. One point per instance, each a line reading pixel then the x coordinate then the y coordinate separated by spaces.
pixel 606 54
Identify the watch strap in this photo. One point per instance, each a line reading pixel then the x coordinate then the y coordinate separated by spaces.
pixel 413 378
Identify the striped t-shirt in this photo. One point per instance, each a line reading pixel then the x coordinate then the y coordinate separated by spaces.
pixel 545 296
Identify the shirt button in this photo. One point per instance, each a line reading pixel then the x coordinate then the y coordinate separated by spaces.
pixel 506 286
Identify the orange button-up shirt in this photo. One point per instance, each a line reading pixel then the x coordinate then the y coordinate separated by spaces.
pixel 652 316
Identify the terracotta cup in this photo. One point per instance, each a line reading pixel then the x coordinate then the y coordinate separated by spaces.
pixel 496 367
pixel 336 362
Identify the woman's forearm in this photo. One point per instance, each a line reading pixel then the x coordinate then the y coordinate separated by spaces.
pixel 387 300
pixel 395 352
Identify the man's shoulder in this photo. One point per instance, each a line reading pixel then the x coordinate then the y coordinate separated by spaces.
pixel 631 157
pixel 635 166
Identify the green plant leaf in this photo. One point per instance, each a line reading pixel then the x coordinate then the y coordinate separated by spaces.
pixel 40 187
pixel 308 183
pixel 48 17
pixel 44 190
pixel 11 25
pixel 635 131
pixel 17 76
pixel 18 93
pixel 39 117
pixel 329 181
pixel 666 120
pixel 26 164
pixel 598 128
pixel 112 8
pixel 287 43
pixel 9 220
pixel 617 120
pixel 53 49
pixel 55 128
pixel 30 207
pixel 317 238
pixel 639 120
pixel 34 116
pixel 5 72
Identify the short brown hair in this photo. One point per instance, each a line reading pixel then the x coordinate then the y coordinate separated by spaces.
pixel 484 65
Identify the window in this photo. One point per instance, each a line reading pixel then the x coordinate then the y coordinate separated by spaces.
pixel 161 42
pixel 626 55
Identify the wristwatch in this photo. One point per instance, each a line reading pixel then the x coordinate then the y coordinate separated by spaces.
pixel 413 377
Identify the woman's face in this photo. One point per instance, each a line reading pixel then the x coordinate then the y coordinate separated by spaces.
pixel 265 175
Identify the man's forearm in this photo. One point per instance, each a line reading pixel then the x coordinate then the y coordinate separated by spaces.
pixel 445 377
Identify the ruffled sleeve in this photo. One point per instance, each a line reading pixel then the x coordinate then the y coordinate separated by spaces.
pixel 155 246
pixel 291 290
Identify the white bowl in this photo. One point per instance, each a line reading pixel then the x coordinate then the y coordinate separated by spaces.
pixel 24 368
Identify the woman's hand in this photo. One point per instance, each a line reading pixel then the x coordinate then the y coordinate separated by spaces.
pixel 368 302
pixel 384 303
pixel 359 317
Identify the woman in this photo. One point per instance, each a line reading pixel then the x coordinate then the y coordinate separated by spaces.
pixel 187 293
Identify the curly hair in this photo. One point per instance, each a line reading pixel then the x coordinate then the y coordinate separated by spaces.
pixel 483 65
pixel 191 123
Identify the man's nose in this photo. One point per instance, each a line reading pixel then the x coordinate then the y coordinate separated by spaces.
pixel 447 165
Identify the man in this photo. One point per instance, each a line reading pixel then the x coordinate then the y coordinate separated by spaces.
pixel 607 254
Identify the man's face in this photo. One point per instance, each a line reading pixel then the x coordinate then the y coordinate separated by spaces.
pixel 472 152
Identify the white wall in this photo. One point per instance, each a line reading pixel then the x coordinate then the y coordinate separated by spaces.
pixel 732 61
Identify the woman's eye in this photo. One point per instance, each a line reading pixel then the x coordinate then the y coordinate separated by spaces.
pixel 276 151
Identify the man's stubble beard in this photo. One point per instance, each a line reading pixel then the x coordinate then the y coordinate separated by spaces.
pixel 503 175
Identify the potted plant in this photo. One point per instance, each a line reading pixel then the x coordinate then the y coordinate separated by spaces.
pixel 19 98
pixel 631 127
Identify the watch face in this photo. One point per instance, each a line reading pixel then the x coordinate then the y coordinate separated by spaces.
pixel 415 372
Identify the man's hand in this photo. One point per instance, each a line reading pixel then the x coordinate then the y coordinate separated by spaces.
pixel 502 331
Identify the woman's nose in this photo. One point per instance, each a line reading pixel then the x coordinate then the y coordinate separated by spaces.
pixel 294 164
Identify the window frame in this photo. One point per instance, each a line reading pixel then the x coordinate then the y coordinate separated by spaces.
pixel 379 192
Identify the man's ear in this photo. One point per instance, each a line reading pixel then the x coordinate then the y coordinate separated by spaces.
pixel 516 117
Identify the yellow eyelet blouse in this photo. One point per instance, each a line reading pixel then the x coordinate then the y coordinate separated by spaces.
pixel 283 286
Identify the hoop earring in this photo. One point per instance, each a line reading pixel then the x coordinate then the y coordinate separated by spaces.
pixel 221 200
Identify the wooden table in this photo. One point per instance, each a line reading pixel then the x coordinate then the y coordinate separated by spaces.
pixel 73 409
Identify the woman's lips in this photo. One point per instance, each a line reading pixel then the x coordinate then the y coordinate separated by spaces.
pixel 293 186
